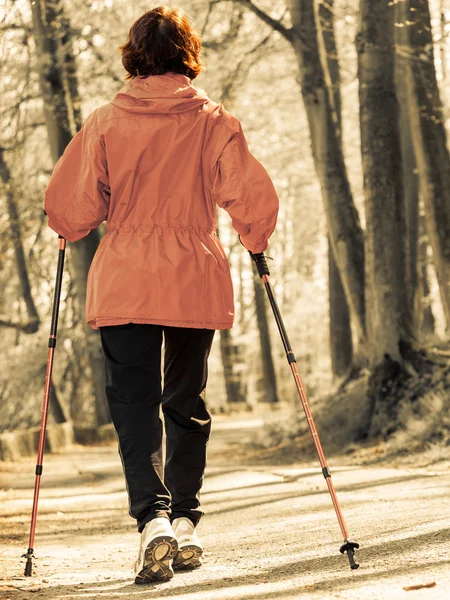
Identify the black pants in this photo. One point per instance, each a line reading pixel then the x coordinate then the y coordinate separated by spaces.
pixel 133 387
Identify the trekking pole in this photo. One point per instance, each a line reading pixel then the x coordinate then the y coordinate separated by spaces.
pixel 264 272
pixel 48 375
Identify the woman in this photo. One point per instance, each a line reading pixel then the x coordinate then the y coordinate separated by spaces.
pixel 154 163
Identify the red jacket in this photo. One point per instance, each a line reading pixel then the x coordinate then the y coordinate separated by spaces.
pixel 154 163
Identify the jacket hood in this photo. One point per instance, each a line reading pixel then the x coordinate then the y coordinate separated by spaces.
pixel 157 94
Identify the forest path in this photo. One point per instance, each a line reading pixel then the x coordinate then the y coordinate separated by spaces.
pixel 269 532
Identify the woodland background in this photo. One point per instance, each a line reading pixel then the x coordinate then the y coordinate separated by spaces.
pixel 345 102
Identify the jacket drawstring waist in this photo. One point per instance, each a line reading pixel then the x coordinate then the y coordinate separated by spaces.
pixel 151 228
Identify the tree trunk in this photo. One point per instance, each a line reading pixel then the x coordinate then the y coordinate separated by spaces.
pixel 268 368
pixel 389 319
pixel 327 26
pixel 341 346
pixel 429 139
pixel 231 360
pixel 411 183
pixel 411 198
pixel 62 115
pixel 426 322
pixel 57 409
pixel 390 322
pixel 346 236
pixel 443 39
pixel 231 357
pixel 33 323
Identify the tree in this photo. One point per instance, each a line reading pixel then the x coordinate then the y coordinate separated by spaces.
pixel 429 135
pixel 389 321
pixel 397 358
pixel 417 241
pixel 341 346
pixel 410 179
pixel 32 325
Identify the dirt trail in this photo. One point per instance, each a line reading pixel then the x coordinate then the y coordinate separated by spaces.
pixel 269 532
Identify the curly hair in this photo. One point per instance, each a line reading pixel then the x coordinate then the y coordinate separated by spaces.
pixel 162 40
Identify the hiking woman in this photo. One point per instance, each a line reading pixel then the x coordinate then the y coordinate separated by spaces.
pixel 154 163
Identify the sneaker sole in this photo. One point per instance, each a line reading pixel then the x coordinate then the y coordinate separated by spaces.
pixel 157 557
pixel 188 557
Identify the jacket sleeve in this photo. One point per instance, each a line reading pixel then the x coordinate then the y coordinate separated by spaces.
pixel 77 195
pixel 244 189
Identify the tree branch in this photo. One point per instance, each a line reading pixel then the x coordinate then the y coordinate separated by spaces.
pixel 287 32
pixel 232 33
pixel 31 327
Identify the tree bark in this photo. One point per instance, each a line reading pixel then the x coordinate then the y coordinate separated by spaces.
pixel 429 139
pixel 389 320
pixel 341 347
pixel 340 333
pixel 426 321
pixel 327 26
pixel 411 183
pixel 443 39
pixel 59 90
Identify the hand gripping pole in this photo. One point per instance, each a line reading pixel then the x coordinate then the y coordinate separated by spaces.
pixel 29 555
pixel 347 546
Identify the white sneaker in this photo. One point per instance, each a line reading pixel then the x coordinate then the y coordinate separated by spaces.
pixel 157 550
pixel 190 549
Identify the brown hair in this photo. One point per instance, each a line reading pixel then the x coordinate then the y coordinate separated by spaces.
pixel 162 40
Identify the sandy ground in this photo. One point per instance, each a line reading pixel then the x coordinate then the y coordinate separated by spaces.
pixel 269 532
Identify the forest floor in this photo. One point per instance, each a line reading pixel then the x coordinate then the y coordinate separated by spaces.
pixel 269 532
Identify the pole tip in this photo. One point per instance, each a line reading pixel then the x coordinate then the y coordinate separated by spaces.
pixel 28 568
pixel 350 548
pixel 29 564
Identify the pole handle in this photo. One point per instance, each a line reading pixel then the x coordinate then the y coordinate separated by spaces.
pixel 260 260
pixel 261 263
